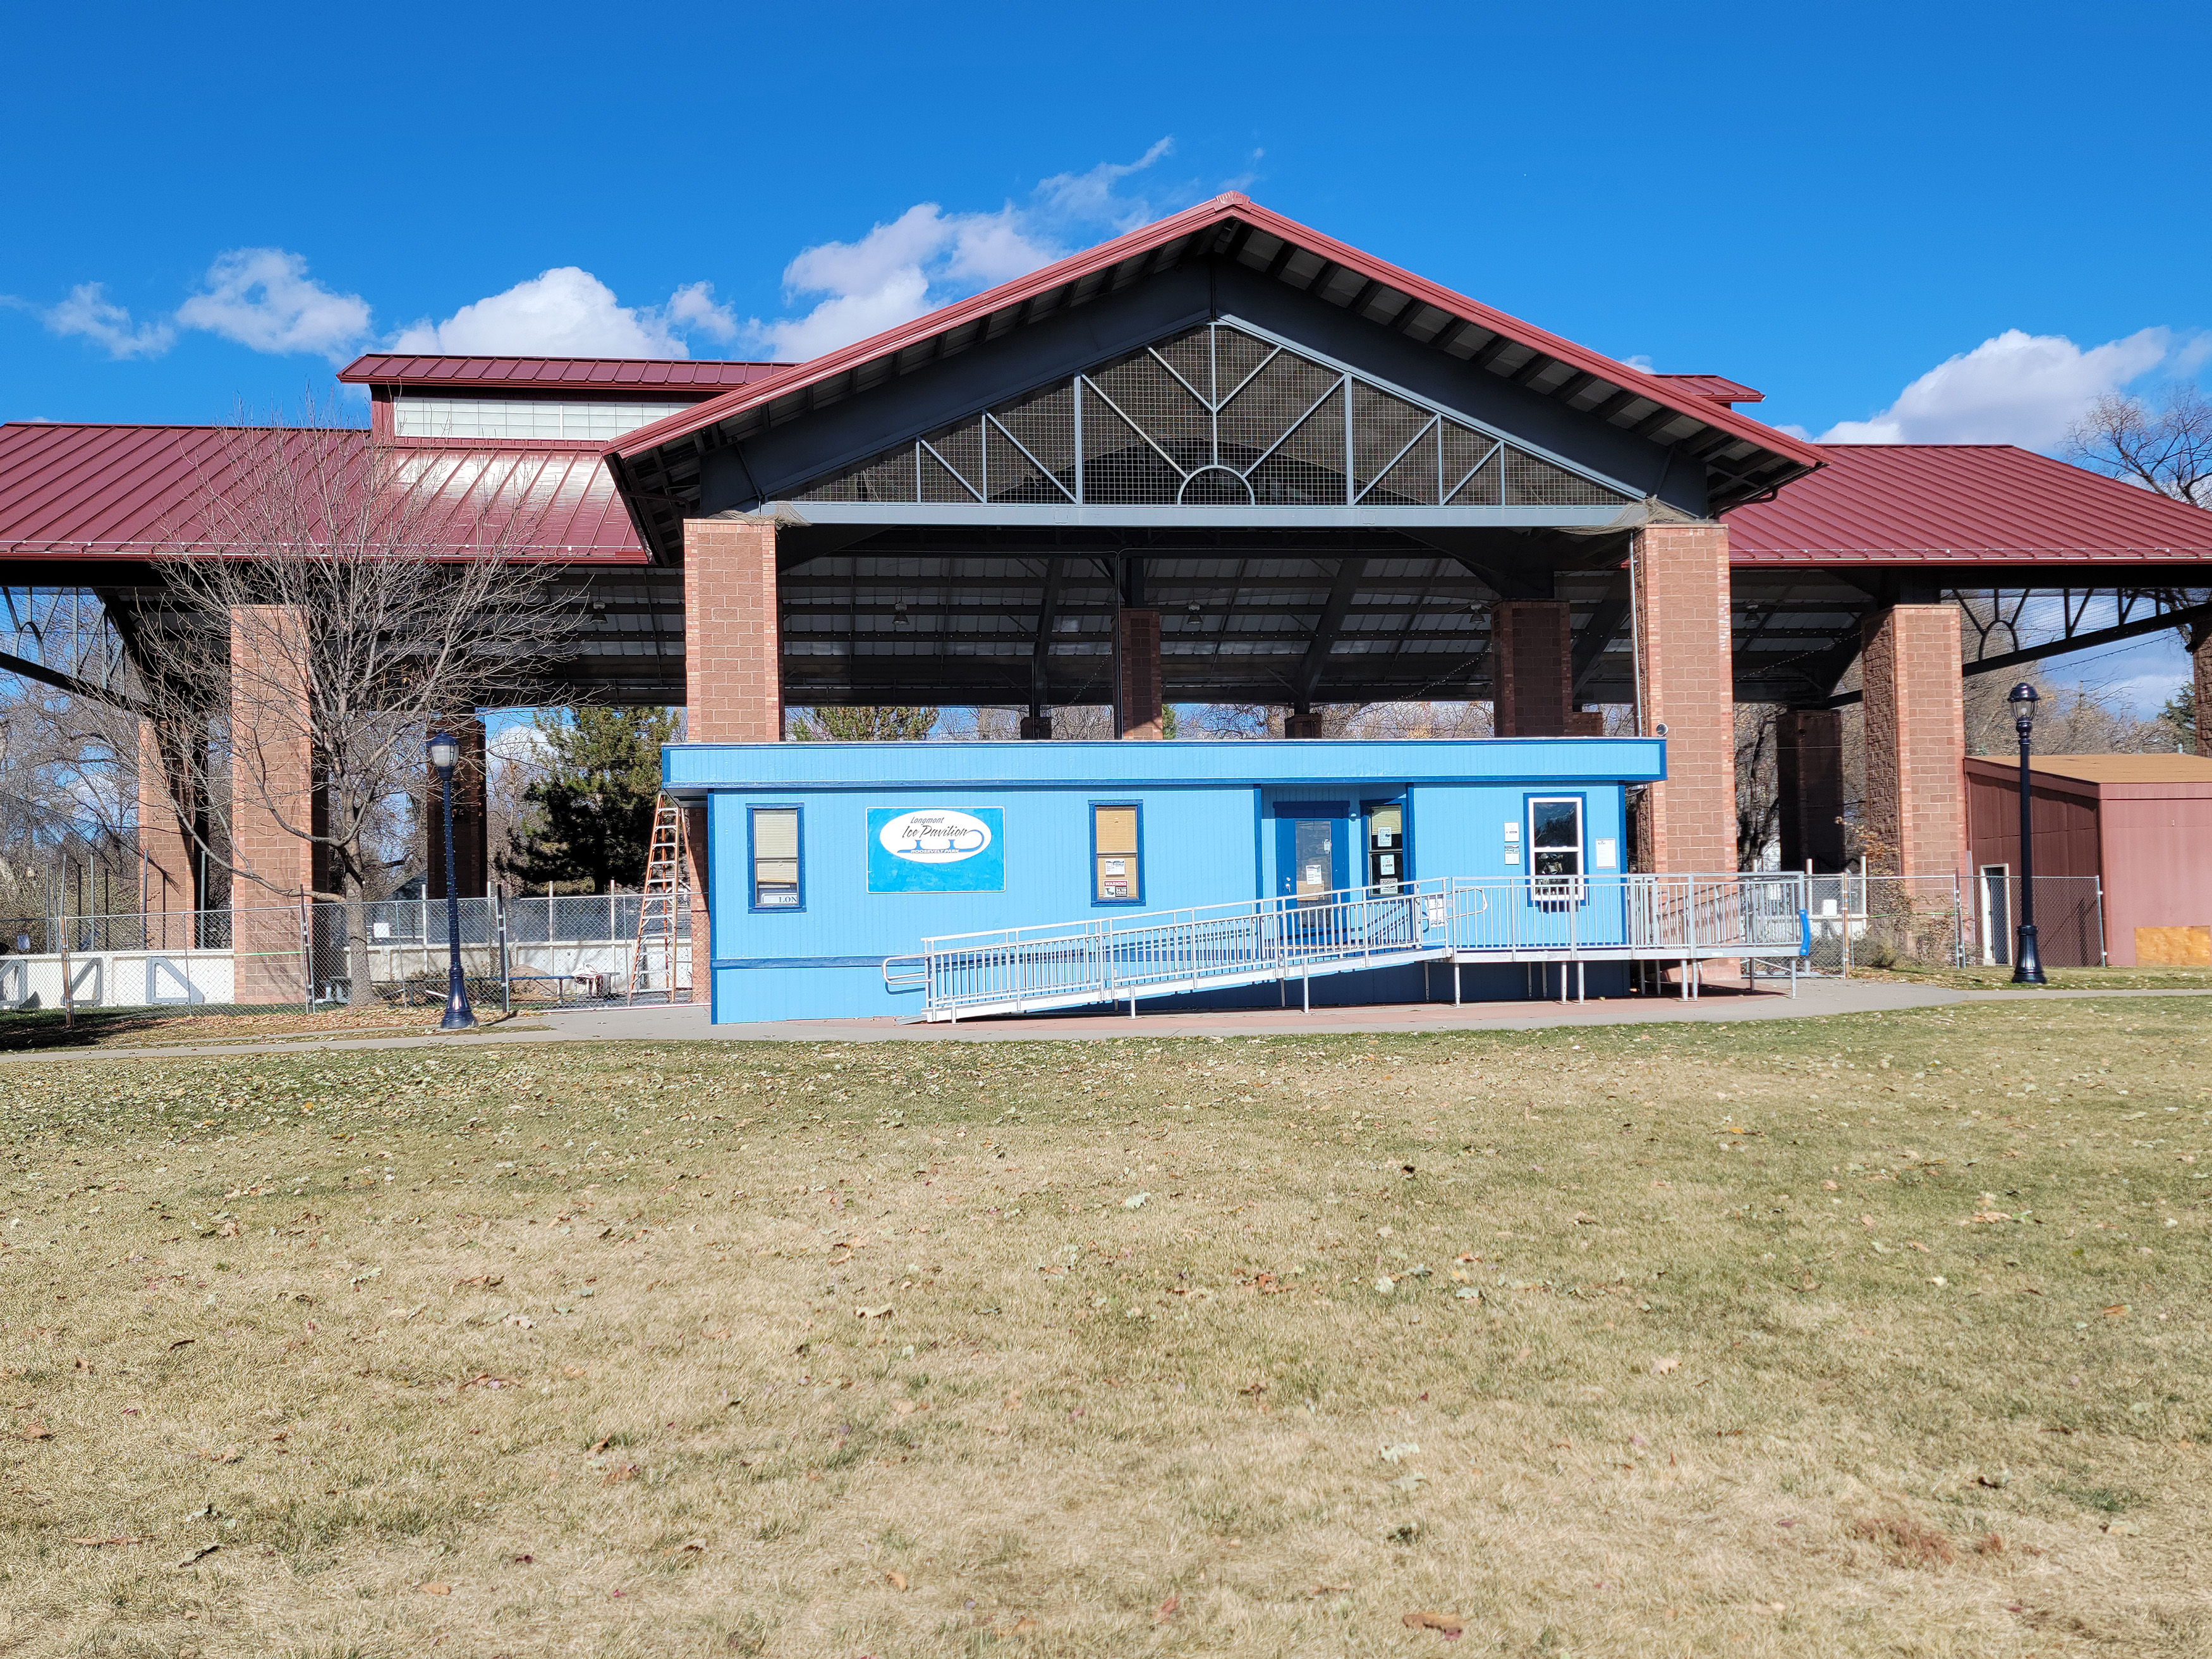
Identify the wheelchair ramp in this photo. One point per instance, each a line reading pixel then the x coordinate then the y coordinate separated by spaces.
pixel 1664 919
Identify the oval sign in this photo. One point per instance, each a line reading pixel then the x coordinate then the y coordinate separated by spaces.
pixel 938 836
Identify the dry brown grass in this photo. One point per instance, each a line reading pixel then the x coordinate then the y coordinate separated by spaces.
pixel 1818 1337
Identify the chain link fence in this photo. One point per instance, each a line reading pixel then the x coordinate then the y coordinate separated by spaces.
pixel 1942 921
pixel 515 952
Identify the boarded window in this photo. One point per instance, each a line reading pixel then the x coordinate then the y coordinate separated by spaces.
pixel 1115 874
pixel 775 857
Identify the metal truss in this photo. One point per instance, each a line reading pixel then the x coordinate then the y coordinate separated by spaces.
pixel 1796 637
pixel 1216 416
pixel 65 638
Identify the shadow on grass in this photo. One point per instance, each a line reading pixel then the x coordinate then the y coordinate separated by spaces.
pixel 32 1029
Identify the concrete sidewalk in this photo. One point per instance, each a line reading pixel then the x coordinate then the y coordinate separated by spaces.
pixel 688 1023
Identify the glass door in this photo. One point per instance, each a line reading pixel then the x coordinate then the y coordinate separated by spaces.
pixel 1386 847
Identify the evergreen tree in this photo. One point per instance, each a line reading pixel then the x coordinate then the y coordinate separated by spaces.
pixel 2180 714
pixel 592 807
pixel 880 724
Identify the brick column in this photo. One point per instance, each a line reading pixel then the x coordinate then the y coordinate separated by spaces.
pixel 733 633
pixel 1808 756
pixel 2201 656
pixel 1137 674
pixel 272 807
pixel 169 779
pixel 1303 723
pixel 1530 670
pixel 1683 649
pixel 1914 820
pixel 472 815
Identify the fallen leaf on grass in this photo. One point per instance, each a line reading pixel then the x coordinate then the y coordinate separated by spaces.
pixel 897 1580
pixel 1330 1589
pixel 35 1430
pixel 182 1342
pixel 1136 1202
pixel 1392 1451
pixel 1167 1609
pixel 1666 1367
pixel 2118 1310
pixel 1024 1626
pixel 228 1455
pixel 883 1312
pixel 2123 1529
pixel 1446 1625
pixel 199 1554
pixel 619 1473
pixel 435 1590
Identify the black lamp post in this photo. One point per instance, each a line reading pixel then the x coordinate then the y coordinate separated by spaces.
pixel 2026 965
pixel 445 753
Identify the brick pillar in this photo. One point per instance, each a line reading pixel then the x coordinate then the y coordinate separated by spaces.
pixel 1808 756
pixel 1681 620
pixel 170 794
pixel 471 815
pixel 733 633
pixel 1304 723
pixel 2201 656
pixel 1914 821
pixel 1137 674
pixel 1530 670
pixel 272 807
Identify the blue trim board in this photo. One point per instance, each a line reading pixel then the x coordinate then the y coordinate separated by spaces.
pixel 1342 767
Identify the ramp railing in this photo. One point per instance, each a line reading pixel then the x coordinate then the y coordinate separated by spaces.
pixel 1663 918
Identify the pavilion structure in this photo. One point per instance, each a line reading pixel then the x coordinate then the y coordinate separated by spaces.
pixel 1224 458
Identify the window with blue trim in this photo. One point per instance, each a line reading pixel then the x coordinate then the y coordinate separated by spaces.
pixel 1117 855
pixel 777 884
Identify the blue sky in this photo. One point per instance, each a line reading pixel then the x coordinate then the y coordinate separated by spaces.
pixel 209 207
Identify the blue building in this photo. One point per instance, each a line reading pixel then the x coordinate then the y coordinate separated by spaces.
pixel 1058 874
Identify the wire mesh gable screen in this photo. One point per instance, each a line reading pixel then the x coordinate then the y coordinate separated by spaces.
pixel 1213 416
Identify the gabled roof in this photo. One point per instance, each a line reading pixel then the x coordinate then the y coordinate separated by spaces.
pixel 678 376
pixel 128 492
pixel 1964 504
pixel 1742 457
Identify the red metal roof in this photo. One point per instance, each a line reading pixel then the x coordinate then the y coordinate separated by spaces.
pixel 1718 387
pixel 1415 291
pixel 124 492
pixel 677 376
pixel 1962 504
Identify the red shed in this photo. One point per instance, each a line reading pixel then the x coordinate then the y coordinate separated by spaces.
pixel 2141 825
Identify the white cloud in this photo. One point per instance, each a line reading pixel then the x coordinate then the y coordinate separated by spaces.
pixel 693 307
pixel 2016 388
pixel 1092 197
pixel 926 256
pixel 89 313
pixel 568 312
pixel 561 313
pixel 264 299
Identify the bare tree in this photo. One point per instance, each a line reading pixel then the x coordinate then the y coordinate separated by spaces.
pixel 2167 448
pixel 329 600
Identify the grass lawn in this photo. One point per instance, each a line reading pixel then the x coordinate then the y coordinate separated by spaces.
pixel 2059 979
pixel 1882 1334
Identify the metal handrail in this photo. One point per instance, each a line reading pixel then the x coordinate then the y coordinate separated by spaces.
pixel 1167 953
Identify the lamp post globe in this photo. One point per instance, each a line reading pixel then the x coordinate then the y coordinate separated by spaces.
pixel 445 753
pixel 2026 960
